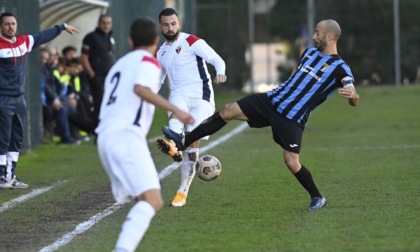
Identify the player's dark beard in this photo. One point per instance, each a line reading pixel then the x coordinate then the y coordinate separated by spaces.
pixel 321 44
pixel 170 38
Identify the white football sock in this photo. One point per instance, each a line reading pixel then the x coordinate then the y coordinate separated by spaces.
pixel 11 157
pixel 135 226
pixel 188 169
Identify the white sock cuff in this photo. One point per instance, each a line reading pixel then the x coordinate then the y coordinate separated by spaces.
pixel 13 156
pixel 143 207
pixel 192 150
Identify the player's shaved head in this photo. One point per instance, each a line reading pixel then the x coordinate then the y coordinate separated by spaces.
pixel 331 26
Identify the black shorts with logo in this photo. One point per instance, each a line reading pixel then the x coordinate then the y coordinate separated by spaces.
pixel 261 113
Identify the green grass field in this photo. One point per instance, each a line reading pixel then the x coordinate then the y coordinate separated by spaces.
pixel 364 160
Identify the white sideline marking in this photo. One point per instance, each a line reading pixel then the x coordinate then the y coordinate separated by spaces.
pixel 27 196
pixel 81 228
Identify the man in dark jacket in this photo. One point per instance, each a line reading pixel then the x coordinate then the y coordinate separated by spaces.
pixel 13 56
pixel 98 56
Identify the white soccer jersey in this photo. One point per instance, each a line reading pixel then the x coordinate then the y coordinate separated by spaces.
pixel 121 107
pixel 184 61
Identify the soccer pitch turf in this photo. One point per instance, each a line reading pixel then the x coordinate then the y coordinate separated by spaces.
pixel 364 161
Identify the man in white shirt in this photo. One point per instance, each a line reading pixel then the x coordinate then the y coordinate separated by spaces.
pixel 183 58
pixel 126 114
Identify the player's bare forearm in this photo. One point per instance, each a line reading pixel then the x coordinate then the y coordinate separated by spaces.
pixel 350 93
pixel 157 100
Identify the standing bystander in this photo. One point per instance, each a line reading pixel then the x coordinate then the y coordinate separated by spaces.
pixel 12 87
pixel 126 115
pixel 98 56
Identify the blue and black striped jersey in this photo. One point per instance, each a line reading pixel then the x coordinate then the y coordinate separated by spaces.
pixel 315 79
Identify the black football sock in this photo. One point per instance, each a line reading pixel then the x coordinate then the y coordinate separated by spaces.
pixel 305 178
pixel 208 127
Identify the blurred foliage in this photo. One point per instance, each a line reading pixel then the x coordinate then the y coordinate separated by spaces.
pixel 224 26
pixel 366 44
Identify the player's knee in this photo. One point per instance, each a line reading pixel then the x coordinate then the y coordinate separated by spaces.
pixel 153 197
pixel 156 203
pixel 292 164
pixel 228 111
pixel 232 111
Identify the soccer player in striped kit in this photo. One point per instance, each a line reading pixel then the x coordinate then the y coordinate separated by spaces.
pixel 126 115
pixel 183 58
pixel 286 109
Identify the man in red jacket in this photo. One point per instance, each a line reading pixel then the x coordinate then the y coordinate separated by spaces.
pixel 13 56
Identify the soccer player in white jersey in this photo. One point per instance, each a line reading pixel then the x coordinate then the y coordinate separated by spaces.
pixel 126 114
pixel 183 58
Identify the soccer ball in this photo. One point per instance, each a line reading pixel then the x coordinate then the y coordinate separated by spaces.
pixel 208 168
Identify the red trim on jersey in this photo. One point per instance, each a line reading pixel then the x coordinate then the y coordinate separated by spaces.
pixel 192 39
pixel 26 40
pixel 151 60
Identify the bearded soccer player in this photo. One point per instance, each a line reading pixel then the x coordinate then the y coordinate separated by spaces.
pixel 183 58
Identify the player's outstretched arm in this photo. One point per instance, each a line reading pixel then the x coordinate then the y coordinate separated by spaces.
pixel 157 100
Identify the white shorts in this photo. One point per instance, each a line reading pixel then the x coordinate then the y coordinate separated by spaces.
pixel 198 108
pixel 126 158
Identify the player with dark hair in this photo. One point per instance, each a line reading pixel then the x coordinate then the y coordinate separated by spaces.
pixel 183 58
pixel 13 58
pixel 286 109
pixel 126 115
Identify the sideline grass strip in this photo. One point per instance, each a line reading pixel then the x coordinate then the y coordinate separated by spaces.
pixel 20 199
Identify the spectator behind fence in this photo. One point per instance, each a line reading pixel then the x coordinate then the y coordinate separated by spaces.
pixel 68 53
pixel 79 92
pixel 56 101
pixel 47 114
pixel 12 89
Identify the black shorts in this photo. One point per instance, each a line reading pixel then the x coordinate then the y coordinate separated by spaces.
pixel 261 113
